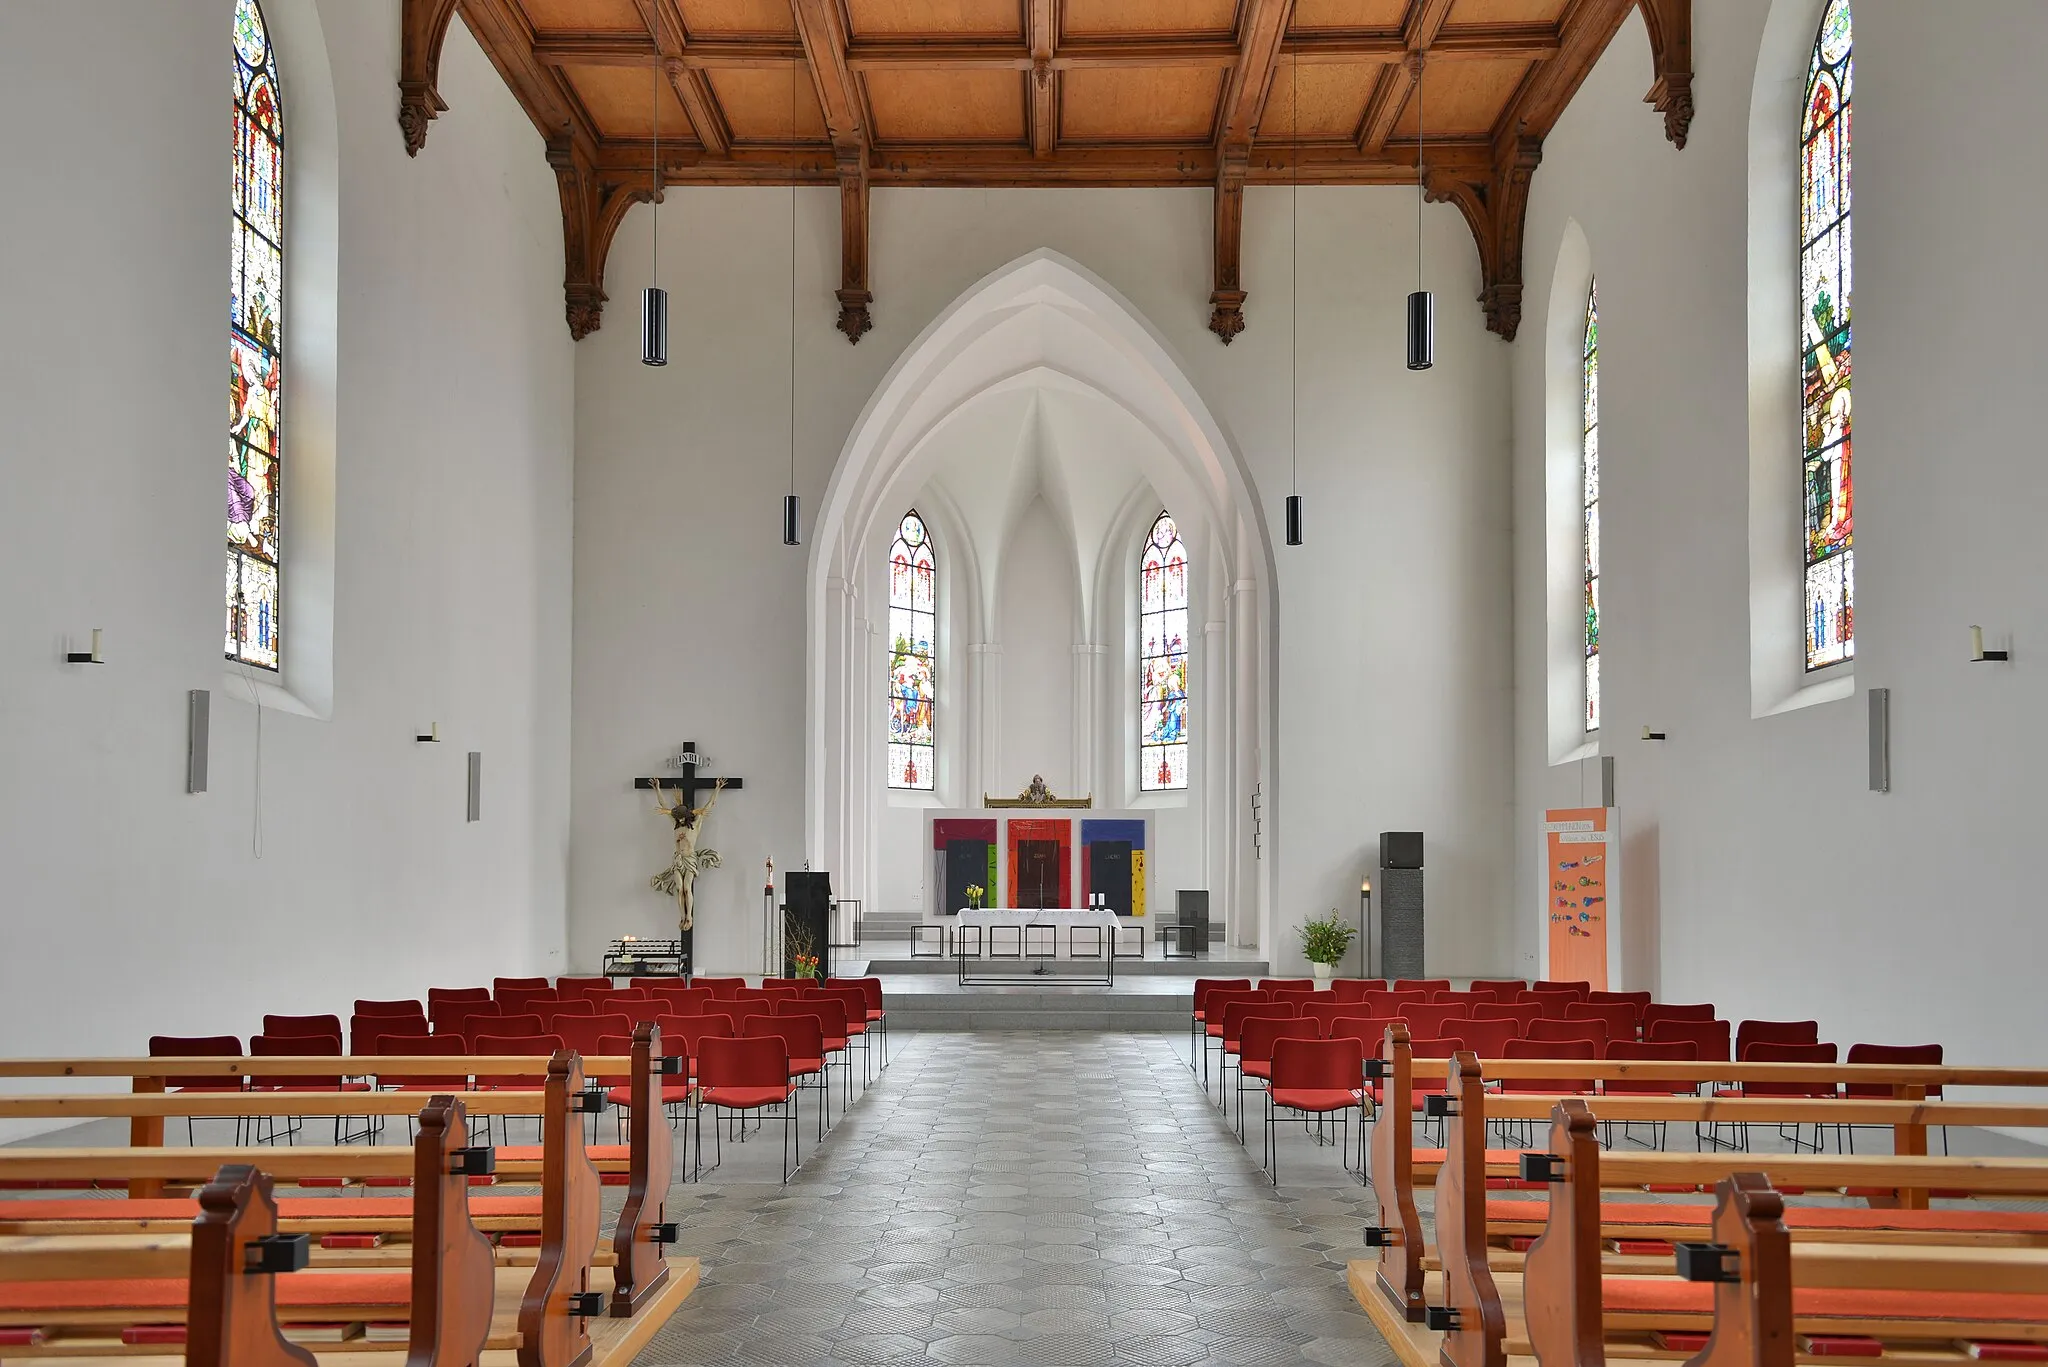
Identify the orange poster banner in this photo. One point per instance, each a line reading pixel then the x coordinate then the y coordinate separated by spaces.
pixel 1576 900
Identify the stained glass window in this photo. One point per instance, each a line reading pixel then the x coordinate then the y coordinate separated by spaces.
pixel 1825 281
pixel 913 629
pixel 255 345
pixel 1590 498
pixel 1163 659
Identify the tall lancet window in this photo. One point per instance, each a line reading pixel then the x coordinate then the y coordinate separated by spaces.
pixel 1825 281
pixel 1163 659
pixel 913 654
pixel 1590 494
pixel 255 345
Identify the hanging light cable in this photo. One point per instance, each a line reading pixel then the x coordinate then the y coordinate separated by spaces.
pixel 1294 325
pixel 791 507
pixel 1421 304
pixel 654 299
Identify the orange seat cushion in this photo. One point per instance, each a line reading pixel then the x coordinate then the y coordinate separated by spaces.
pixel 747 1098
pixel 1701 1215
pixel 1317 1098
pixel 531 1153
pixel 300 1290
pixel 1668 1295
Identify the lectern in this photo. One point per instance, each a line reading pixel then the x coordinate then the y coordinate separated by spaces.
pixel 807 911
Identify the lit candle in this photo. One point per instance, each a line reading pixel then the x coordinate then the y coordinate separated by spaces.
pixel 1976 643
pixel 96 658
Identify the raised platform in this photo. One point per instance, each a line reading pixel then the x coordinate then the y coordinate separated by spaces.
pixel 1188 969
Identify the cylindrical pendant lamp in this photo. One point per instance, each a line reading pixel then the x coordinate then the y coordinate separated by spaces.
pixel 790 512
pixel 654 326
pixel 1294 519
pixel 1421 330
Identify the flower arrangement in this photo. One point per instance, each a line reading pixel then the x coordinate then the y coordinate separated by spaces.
pixel 975 892
pixel 806 965
pixel 1326 939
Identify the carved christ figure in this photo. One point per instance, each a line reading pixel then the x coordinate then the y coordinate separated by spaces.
pixel 679 879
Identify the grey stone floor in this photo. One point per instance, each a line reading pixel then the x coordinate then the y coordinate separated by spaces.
pixel 1011 1198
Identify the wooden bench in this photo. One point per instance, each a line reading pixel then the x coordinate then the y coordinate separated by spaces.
pixel 568 1207
pixel 1480 1308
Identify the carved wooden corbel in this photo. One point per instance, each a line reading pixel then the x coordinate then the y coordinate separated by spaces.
pixel 1226 300
pixel 424 24
pixel 592 209
pixel 1495 211
pixel 854 295
pixel 1670 26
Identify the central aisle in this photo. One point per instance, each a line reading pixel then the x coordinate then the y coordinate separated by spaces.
pixel 1010 1198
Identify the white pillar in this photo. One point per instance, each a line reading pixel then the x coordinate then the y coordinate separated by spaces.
pixel 988 685
pixel 1084 777
pixel 1241 920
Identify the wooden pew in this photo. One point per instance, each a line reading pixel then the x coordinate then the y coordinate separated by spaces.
pixel 560 1297
pixel 199 1277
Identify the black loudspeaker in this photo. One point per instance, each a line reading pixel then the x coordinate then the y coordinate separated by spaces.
pixel 807 910
pixel 1398 895
pixel 1400 849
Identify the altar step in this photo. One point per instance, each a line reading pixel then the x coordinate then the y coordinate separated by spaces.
pixel 1038 1009
pixel 1187 969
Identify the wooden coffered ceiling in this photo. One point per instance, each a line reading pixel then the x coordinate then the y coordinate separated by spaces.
pixel 860 93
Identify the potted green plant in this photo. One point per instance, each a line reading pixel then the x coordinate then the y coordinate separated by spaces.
pixel 1324 942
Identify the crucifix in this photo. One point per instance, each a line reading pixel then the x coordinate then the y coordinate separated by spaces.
pixel 689 859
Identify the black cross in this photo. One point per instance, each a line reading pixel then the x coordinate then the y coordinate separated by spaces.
pixel 691 782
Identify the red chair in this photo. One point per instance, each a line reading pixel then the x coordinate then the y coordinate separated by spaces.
pixel 372 1007
pixel 1235 1014
pixel 302 1025
pixel 1390 1003
pixel 743 1075
pixel 302 1046
pixel 682 1001
pixel 1667 1011
pixel 582 1033
pixel 438 1046
pixel 551 1012
pixel 804 1038
pixel 1486 1038
pixel 1593 1032
pixel 365 1031
pixel 456 994
pixel 742 1012
pixel 1423 985
pixel 566 987
pixel 1548 1086
pixel 623 1002
pixel 450 1017
pixel 1255 1050
pixel 500 984
pixel 855 1000
pixel 514 1001
pixel 200 1046
pixel 1295 986
pixel 1773 1032
pixel 515 1046
pixel 1322 1011
pixel 1578 985
pixel 1203 987
pixel 1710 1039
pixel 1354 989
pixel 875 1014
pixel 1429 1019
pixel 618 1087
pixel 682 1034
pixel 1619 1017
pixel 1213 1006
pixel 1845 1135
pixel 1767 1051
pixel 1550 1001
pixel 831 1015
pixel 1370 1031
pixel 721 988
pixel 1643 1051
pixel 1317 1077
pixel 1500 989
pixel 1641 999
pixel 1523 1014
pixel 657 985
pixel 480 1026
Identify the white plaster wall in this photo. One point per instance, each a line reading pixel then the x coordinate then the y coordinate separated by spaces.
pixel 126 906
pixel 1037 608
pixel 1393 622
pixel 1760 873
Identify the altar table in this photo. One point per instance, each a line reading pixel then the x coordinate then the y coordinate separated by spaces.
pixel 1040 934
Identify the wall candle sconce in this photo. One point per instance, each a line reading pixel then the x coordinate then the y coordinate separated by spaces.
pixel 1978 654
pixel 430 736
pixel 88 657
pixel 1648 734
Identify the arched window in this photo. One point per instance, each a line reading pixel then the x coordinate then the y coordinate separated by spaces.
pixel 1590 449
pixel 1825 280
pixel 1163 659
pixel 255 345
pixel 913 629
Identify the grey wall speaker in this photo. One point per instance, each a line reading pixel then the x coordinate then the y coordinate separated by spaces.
pixel 1400 849
pixel 476 785
pixel 1397 895
pixel 1880 740
pixel 1191 920
pixel 198 736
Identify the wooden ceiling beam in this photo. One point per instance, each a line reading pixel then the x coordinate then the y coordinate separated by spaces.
pixel 1670 26
pixel 502 32
pixel 1524 42
pixel 1039 32
pixel 823 30
pixel 1424 22
pixel 665 31
pixel 1260 30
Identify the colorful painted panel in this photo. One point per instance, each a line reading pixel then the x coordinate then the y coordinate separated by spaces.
pixel 913 656
pixel 964 855
pixel 1825 288
pixel 1113 852
pixel 1041 862
pixel 1590 494
pixel 1163 659
pixel 255 346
